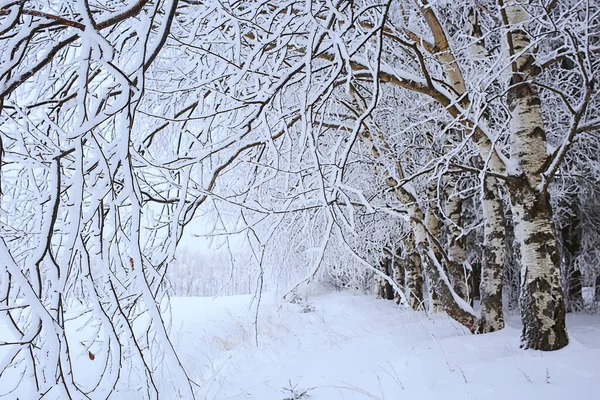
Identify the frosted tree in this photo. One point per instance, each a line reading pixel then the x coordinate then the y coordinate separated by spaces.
pixel 75 244
pixel 417 47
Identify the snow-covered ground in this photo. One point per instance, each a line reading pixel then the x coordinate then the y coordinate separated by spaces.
pixel 347 346
pixel 356 347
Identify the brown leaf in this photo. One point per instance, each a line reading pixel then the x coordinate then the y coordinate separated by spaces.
pixel 132 264
pixel 91 355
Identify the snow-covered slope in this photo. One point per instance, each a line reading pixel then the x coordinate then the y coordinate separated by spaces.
pixel 356 347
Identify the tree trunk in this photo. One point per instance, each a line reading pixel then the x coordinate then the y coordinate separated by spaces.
pixel 570 235
pixel 432 224
pixel 542 300
pixel 476 280
pixel 492 268
pixel 575 292
pixel 413 274
pixel 383 288
pixel 512 255
pixel 450 302
pixel 457 253
pixel 399 273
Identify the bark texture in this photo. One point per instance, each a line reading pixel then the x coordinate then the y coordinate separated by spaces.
pixel 451 303
pixel 575 292
pixel 398 272
pixel 432 225
pixel 512 266
pixel 446 299
pixel 459 273
pixel 492 268
pixel 570 235
pixel 383 288
pixel 541 298
pixel 413 274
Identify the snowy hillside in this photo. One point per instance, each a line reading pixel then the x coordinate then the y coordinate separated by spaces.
pixel 357 347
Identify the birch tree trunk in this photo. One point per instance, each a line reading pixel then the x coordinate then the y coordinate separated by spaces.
pixel 383 289
pixel 574 287
pixel 541 297
pixel 492 271
pixel 570 239
pixel 456 249
pixel 399 273
pixel 512 267
pixel 413 274
pixel 491 277
pixel 446 299
pixel 432 225
pixel 452 304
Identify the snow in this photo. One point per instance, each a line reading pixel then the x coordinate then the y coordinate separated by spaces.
pixel 357 347
pixel 353 346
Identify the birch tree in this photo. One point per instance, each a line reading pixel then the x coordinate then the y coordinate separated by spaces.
pixel 507 151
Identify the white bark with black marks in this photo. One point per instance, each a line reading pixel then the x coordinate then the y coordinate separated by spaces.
pixel 413 274
pixel 432 225
pixel 398 274
pixel 450 302
pixel 456 247
pixel 541 298
pixel 447 299
pixel 492 269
